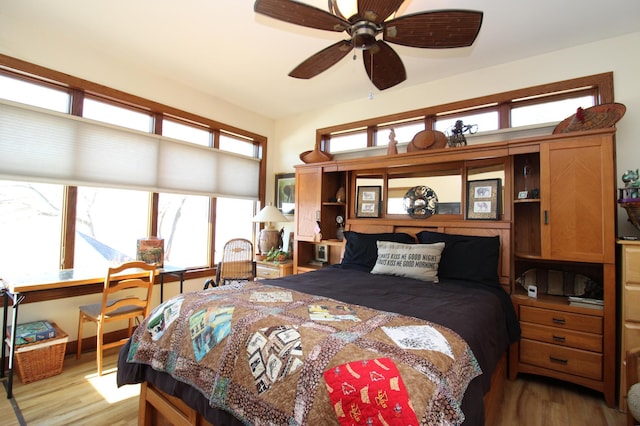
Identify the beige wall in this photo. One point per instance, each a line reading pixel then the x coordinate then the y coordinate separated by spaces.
pixel 297 134
pixel 289 137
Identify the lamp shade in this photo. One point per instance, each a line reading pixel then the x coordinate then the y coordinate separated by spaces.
pixel 269 237
pixel 269 214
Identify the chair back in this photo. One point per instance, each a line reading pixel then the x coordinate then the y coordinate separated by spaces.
pixel 118 297
pixel 237 261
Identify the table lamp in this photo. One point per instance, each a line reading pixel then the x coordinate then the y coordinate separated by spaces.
pixel 269 236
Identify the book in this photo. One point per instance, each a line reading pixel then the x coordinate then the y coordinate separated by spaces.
pixel 586 302
pixel 577 299
pixel 151 251
pixel 35 331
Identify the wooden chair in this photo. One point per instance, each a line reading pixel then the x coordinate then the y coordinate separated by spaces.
pixel 633 384
pixel 120 301
pixel 237 263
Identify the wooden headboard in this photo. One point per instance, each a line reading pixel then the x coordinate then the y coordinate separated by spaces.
pixel 461 228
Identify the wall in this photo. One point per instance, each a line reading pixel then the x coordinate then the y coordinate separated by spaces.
pixel 297 134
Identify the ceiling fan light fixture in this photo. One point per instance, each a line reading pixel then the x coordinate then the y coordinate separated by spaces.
pixel 344 8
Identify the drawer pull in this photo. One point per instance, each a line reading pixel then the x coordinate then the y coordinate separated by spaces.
pixel 559 338
pixel 558 360
pixel 558 320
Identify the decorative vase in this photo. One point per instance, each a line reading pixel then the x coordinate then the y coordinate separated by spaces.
pixel 341 195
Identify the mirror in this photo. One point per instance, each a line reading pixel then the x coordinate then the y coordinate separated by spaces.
pixel 447 185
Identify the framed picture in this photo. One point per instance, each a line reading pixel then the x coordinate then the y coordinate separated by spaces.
pixel 285 196
pixel 484 198
pixel 322 253
pixel 368 202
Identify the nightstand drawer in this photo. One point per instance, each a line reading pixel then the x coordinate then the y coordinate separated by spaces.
pixel 559 358
pixel 568 320
pixel 563 337
pixel 267 272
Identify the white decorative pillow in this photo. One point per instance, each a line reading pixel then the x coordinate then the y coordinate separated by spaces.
pixel 419 261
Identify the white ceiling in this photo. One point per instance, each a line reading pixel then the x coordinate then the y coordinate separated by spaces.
pixel 225 49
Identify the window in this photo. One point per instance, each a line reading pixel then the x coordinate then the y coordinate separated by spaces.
pixel 237 145
pixel 404 132
pixel 548 112
pixel 348 141
pixel 536 105
pixel 30 220
pixel 113 114
pixel 185 132
pixel 108 225
pixel 485 121
pixel 183 223
pixel 233 220
pixel 34 94
pixel 108 218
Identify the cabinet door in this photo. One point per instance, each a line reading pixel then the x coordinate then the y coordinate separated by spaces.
pixel 308 200
pixel 578 199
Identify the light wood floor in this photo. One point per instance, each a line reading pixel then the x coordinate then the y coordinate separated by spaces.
pixel 79 397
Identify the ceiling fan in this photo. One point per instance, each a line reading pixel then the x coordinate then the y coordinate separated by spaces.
pixel 438 29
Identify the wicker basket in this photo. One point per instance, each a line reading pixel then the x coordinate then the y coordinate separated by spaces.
pixel 42 359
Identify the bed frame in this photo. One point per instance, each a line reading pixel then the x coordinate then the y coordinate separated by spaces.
pixel 158 408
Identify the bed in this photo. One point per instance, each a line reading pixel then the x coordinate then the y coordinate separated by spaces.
pixel 424 340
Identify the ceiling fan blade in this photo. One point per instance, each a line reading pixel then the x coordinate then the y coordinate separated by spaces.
pixel 300 14
pixel 322 61
pixel 384 66
pixel 436 30
pixel 377 10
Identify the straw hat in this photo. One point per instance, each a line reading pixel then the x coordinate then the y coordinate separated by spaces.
pixel 427 139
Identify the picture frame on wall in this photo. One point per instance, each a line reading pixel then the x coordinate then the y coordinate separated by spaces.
pixel 285 196
pixel 368 201
pixel 484 198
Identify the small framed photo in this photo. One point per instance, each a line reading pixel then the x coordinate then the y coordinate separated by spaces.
pixel 322 253
pixel 368 202
pixel 484 198
pixel 285 196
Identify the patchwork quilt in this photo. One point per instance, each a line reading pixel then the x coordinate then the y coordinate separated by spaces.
pixel 270 355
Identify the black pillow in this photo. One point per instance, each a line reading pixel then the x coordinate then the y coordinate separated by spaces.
pixel 466 257
pixel 361 251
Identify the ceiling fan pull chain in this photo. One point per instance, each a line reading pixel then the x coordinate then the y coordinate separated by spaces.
pixel 371 96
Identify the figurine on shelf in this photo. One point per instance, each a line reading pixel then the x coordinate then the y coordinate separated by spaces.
pixel 392 148
pixel 340 226
pixel 455 133
pixel 341 195
pixel 631 179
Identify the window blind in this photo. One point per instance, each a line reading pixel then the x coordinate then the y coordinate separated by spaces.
pixel 43 145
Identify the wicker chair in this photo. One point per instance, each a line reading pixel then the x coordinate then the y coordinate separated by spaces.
pixel 237 263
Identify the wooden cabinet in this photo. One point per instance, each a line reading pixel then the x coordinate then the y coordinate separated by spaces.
pixel 266 269
pixel 568 225
pixel 559 215
pixel 629 308
pixel 316 211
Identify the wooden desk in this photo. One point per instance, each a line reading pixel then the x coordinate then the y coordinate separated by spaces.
pixel 17 288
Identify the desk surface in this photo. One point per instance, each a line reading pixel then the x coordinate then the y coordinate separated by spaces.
pixel 63 278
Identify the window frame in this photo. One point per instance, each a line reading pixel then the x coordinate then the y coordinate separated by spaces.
pixel 78 89
pixel 599 85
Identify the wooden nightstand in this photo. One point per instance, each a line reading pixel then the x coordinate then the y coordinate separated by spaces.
pixel 268 269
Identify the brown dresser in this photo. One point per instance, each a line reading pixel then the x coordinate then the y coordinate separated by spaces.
pixel 629 307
